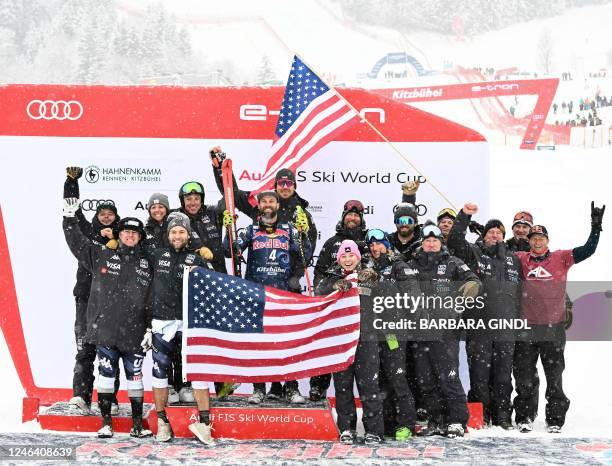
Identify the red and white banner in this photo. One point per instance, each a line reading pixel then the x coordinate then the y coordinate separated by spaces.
pixel 134 141
pixel 531 127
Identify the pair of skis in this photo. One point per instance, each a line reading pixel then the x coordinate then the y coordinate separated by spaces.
pixel 230 206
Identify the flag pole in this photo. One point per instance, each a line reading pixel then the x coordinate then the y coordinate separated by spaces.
pixel 383 137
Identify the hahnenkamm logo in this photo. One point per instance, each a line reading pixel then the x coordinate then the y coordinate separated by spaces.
pixel 92 174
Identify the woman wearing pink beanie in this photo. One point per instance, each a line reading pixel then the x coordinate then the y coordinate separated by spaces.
pixel 346 248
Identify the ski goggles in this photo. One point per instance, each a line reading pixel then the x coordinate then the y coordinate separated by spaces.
pixel 448 212
pixel 523 215
pixel 353 206
pixel 285 183
pixel 431 231
pixel 405 220
pixel 192 187
pixel 375 234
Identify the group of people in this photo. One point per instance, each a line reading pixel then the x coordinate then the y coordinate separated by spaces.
pixel 132 273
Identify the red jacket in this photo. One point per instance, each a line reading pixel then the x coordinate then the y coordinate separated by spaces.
pixel 544 283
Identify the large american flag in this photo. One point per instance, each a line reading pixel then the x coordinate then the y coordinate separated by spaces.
pixel 240 331
pixel 311 116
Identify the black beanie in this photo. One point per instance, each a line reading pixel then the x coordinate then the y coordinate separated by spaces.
pixel 494 223
pixel 284 173
pixel 110 205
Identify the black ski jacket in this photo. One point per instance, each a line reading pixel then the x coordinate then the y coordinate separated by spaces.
pixel 167 289
pixel 116 310
pixel 499 269
pixel 92 231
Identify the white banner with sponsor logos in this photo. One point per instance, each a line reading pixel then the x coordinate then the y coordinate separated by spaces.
pixel 127 165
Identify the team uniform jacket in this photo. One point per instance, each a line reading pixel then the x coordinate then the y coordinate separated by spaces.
pixel 272 256
pixel 92 231
pixel 168 270
pixel 499 270
pixel 438 274
pixel 207 226
pixel 116 311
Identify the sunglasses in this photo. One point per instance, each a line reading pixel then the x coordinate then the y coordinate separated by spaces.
pixel 353 205
pixel 375 234
pixel 431 230
pixel 405 220
pixel 192 187
pixel 285 183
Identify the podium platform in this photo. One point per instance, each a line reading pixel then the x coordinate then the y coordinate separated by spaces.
pixel 233 418
pixel 62 416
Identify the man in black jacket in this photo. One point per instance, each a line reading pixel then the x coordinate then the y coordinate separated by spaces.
pixel 206 222
pixel 351 226
pixel 490 352
pixel 166 324
pixel 100 232
pixel 406 238
pixel 441 275
pixel 116 310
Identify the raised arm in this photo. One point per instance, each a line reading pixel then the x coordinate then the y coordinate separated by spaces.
pixel 588 249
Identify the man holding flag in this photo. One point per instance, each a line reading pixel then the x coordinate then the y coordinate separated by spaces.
pixel 312 114
pixel 292 207
pixel 274 256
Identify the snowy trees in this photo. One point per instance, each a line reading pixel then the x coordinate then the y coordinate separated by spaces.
pixel 544 50
pixel 475 16
pixel 88 41
pixel 265 73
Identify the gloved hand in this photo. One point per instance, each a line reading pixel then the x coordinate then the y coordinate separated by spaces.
pixel 217 156
pixel 71 205
pixel 205 253
pixel 410 187
pixel 147 341
pixel 294 284
pixel 367 276
pixel 469 289
pixel 343 285
pixel 476 227
pixel 74 173
pixel 112 244
pixel 301 220
pixel 228 221
pixel 597 216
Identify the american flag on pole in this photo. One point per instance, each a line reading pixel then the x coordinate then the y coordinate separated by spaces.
pixel 312 114
pixel 240 331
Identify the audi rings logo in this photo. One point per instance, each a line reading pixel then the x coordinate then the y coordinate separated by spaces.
pixel 54 110
pixel 92 204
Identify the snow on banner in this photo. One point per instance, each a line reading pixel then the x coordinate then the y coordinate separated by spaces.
pixel 312 114
pixel 241 331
